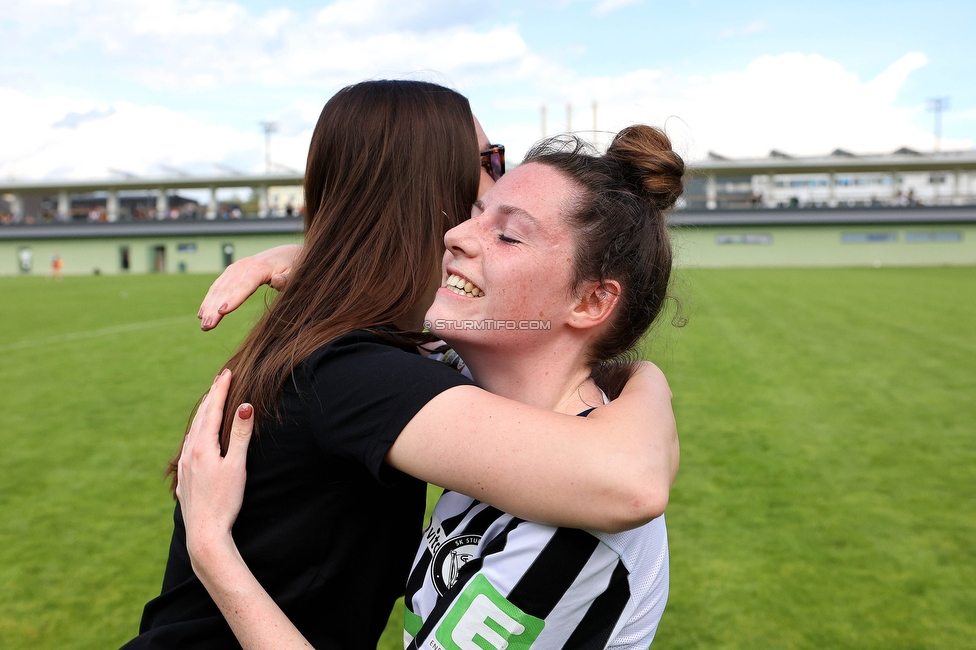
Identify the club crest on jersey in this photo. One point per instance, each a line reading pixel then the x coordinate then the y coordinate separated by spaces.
pixel 450 558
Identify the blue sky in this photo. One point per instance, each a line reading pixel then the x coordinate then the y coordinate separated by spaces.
pixel 145 86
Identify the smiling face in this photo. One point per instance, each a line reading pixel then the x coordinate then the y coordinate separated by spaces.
pixel 512 262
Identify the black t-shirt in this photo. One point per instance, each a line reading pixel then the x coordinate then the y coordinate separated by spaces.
pixel 326 527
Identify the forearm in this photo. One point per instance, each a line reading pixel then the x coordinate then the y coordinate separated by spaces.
pixel 610 471
pixel 256 620
pixel 646 464
pixel 242 278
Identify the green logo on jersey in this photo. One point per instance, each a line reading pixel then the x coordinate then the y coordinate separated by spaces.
pixel 482 619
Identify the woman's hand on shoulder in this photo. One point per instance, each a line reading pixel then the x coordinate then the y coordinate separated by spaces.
pixel 242 278
pixel 210 487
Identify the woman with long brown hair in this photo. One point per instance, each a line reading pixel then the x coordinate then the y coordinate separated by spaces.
pixel 353 420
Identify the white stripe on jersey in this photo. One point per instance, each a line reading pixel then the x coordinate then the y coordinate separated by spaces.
pixel 574 604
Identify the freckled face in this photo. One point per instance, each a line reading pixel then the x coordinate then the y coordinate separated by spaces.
pixel 512 261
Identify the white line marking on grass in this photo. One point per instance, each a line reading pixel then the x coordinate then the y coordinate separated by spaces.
pixel 90 334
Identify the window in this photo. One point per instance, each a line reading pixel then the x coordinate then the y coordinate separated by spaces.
pixel 761 239
pixel 944 236
pixel 868 237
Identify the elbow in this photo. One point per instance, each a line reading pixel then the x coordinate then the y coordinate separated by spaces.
pixel 642 488
pixel 637 505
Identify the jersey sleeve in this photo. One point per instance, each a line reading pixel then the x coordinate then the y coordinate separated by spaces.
pixel 362 394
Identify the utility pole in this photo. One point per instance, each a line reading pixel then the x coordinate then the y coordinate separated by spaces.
pixel 269 128
pixel 937 105
pixel 544 121
pixel 569 117
pixel 595 130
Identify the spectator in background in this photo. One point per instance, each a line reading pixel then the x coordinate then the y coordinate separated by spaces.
pixel 26 258
pixel 56 265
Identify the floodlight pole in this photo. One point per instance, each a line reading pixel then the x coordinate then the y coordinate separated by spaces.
pixel 269 128
pixel 595 130
pixel 937 105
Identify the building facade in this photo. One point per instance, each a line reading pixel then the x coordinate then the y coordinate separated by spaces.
pixel 895 236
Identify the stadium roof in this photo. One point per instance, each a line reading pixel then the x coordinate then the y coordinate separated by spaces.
pixel 181 183
pixel 839 162
pixel 915 215
pixel 177 228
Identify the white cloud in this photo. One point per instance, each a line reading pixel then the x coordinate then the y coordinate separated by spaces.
pixel 801 104
pixel 196 44
pixel 398 15
pixel 605 7
pixel 755 27
pixel 953 116
pixel 185 45
pixel 797 103
pixel 176 19
pixel 886 85
pixel 62 137
pixel 72 120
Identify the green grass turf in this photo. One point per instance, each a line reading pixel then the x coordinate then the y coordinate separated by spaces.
pixel 828 429
pixel 825 497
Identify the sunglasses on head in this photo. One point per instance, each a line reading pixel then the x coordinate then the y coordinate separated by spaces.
pixel 493 160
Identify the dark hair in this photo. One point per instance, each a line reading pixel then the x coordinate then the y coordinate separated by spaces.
pixel 620 231
pixel 392 166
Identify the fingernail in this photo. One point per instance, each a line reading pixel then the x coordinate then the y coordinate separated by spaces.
pixel 224 371
pixel 206 323
pixel 245 411
pixel 222 308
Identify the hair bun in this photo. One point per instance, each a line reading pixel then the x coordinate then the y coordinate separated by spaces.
pixel 646 155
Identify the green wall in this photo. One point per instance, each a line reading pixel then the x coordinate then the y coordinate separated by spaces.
pixel 867 245
pixel 901 245
pixel 199 254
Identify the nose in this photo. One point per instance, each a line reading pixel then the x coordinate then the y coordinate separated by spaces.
pixel 462 239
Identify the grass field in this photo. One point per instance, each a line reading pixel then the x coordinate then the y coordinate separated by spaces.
pixel 826 496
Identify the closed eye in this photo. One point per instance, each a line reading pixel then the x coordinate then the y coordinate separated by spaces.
pixel 507 239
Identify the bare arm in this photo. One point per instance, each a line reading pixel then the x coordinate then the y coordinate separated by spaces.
pixel 211 490
pixel 537 464
pixel 242 278
pixel 611 471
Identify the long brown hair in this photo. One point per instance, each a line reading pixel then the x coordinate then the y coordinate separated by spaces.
pixel 392 166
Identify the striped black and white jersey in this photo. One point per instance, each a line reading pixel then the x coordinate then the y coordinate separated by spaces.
pixel 485 579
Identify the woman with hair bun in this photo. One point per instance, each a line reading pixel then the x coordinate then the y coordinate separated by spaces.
pixel 571 248
pixel 544 586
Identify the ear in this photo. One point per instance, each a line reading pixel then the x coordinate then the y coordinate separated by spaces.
pixel 596 302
